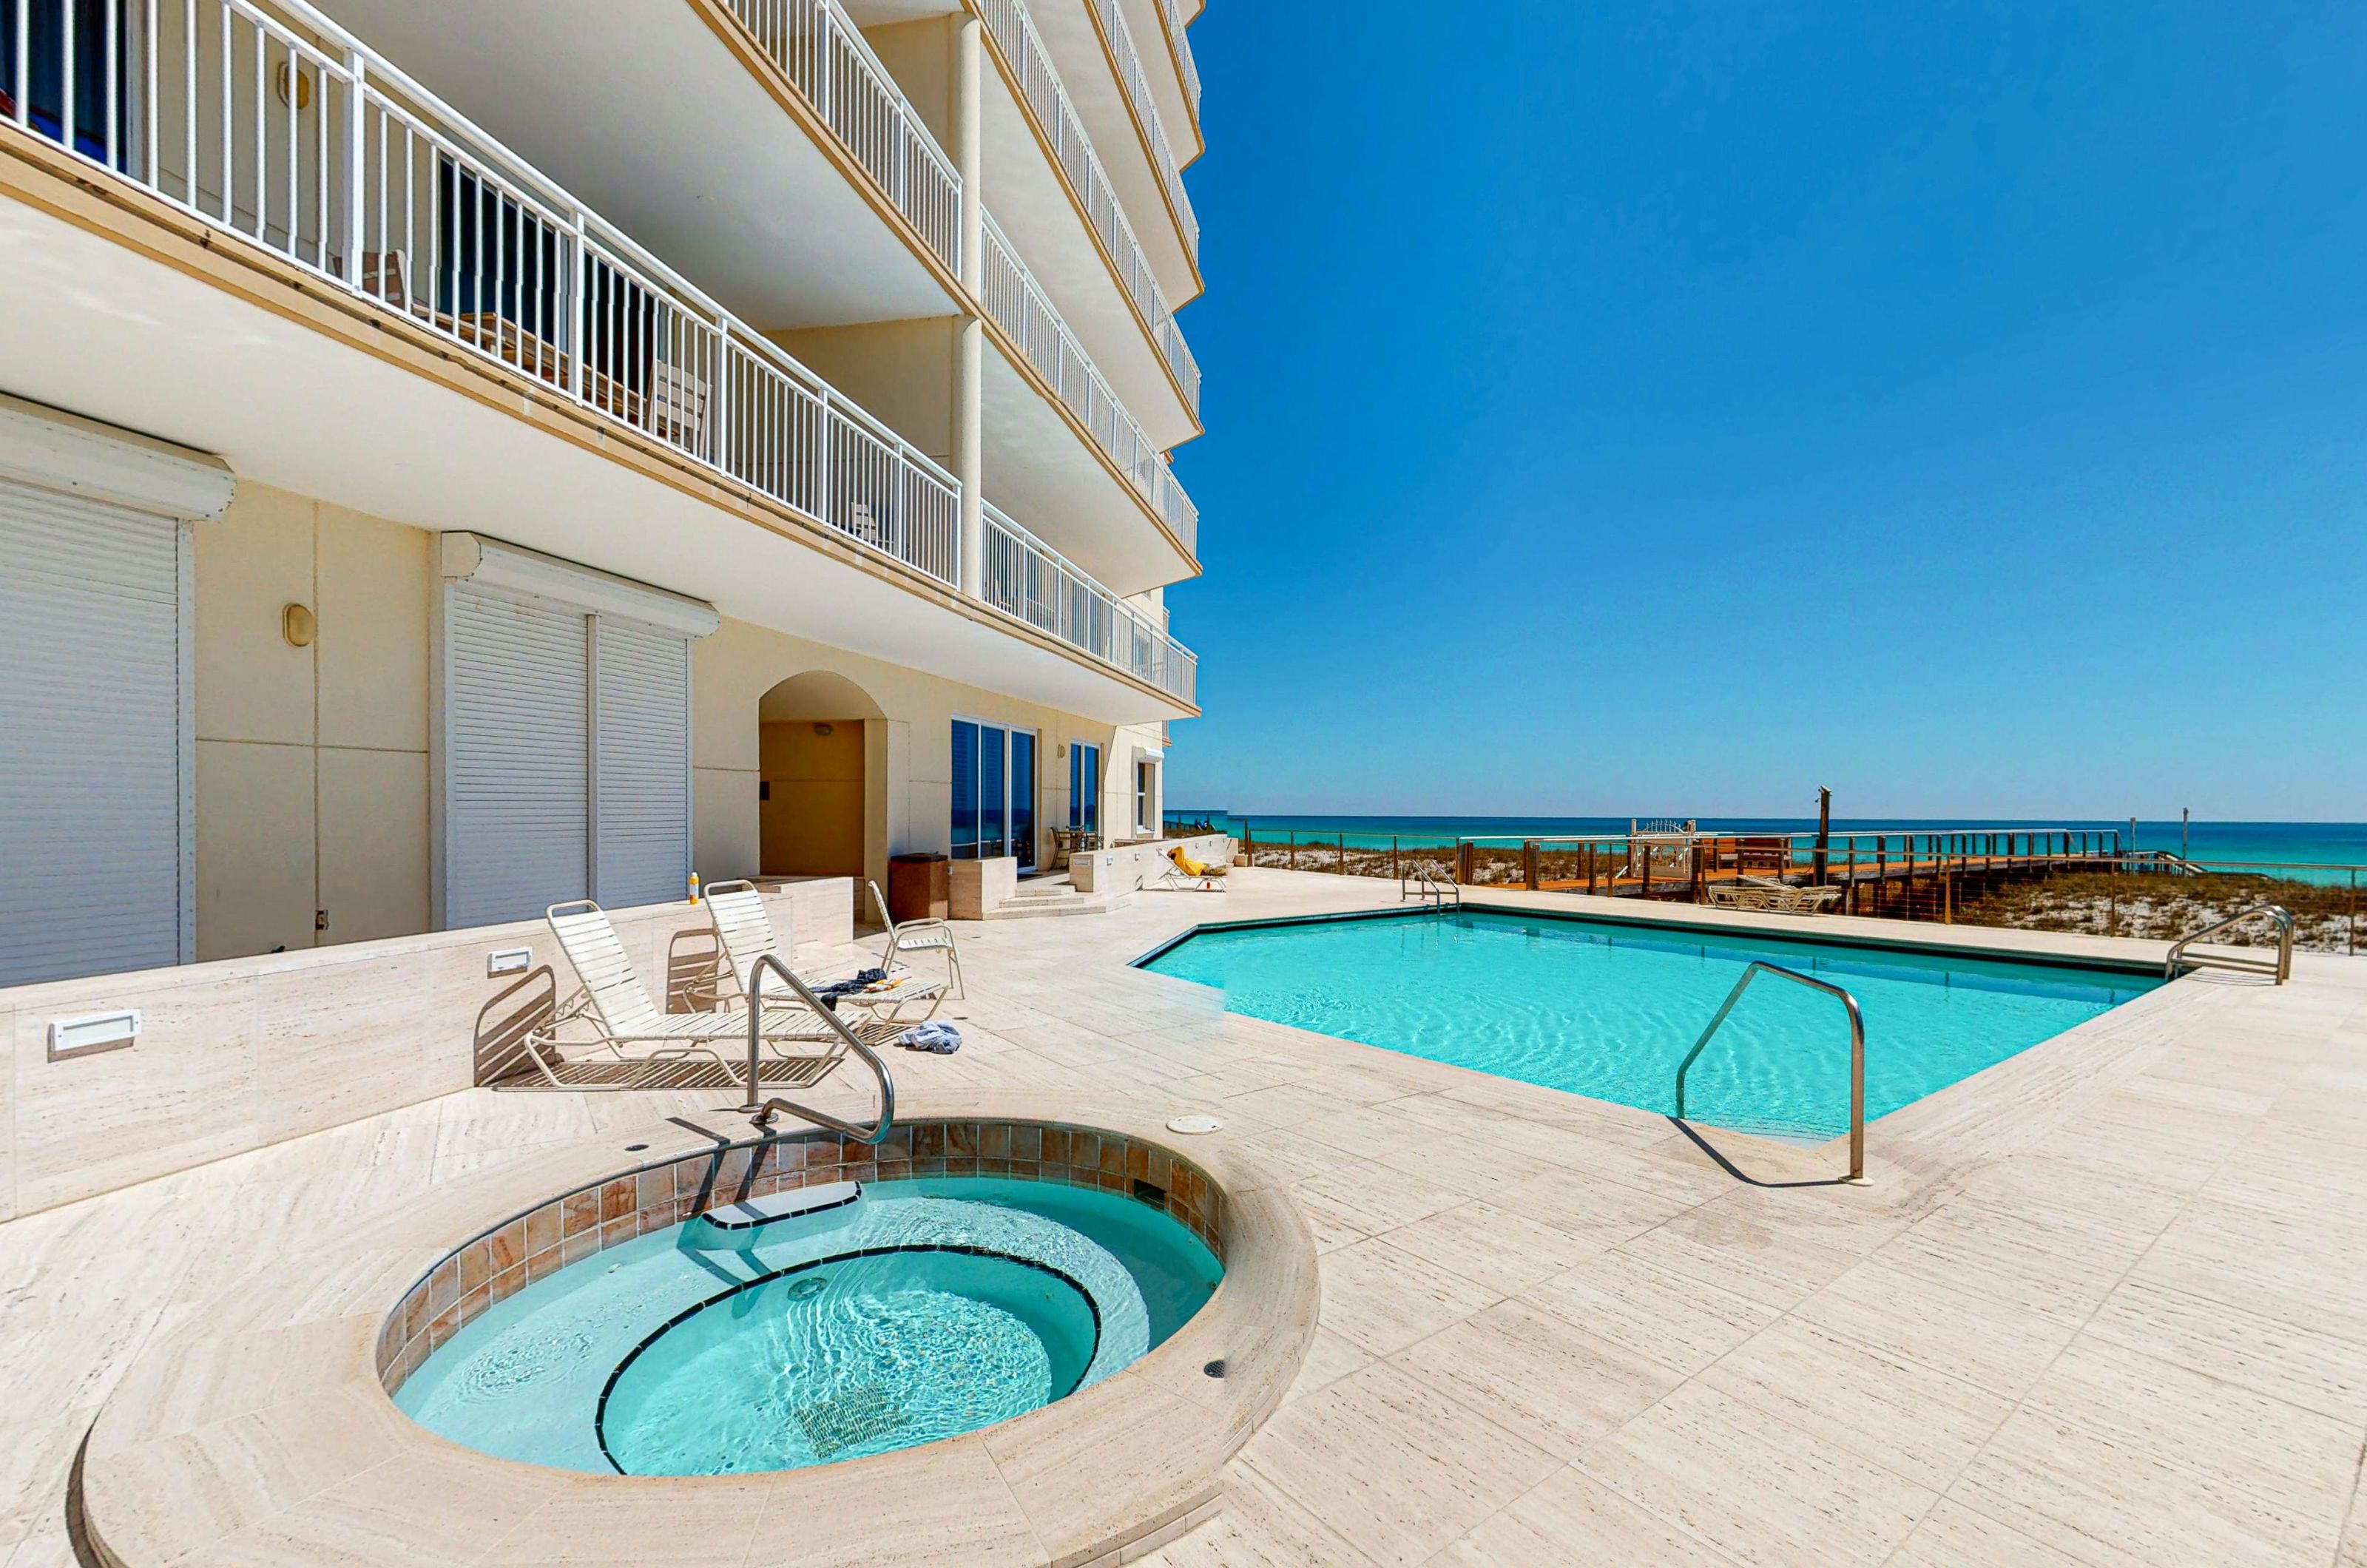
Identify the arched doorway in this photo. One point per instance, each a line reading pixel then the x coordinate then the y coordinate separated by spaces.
pixel 815 806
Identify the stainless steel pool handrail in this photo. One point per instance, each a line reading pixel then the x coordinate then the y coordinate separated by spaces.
pixel 761 1112
pixel 1427 886
pixel 2281 968
pixel 1857 1050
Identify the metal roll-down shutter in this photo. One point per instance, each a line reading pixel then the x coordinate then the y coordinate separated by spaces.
pixel 94 806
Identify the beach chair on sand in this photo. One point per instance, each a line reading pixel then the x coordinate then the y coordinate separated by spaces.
pixel 634 1046
pixel 925 935
pixel 1772 898
pixel 743 934
pixel 1184 874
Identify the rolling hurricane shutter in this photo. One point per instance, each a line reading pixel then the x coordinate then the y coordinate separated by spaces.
pixel 516 738
pixel 641 791
pixel 93 865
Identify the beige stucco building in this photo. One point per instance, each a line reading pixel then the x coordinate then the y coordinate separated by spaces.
pixel 456 459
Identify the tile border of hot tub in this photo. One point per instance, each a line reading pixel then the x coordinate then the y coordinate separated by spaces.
pixel 533 1243
pixel 1082 1482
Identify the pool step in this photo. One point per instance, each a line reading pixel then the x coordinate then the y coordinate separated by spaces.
pixel 750 1213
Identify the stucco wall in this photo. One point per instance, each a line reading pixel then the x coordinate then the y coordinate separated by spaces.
pixel 312 762
pixel 909 753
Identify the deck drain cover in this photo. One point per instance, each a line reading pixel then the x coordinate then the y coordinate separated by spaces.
pixel 1196 1123
pixel 1214 1369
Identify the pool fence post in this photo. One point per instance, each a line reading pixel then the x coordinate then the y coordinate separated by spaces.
pixel 1343 854
pixel 1397 867
pixel 1529 864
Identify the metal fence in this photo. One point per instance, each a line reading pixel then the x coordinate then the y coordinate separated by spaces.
pixel 1030 63
pixel 1146 112
pixel 273 124
pixel 1030 580
pixel 817 46
pixel 1020 305
pixel 2064 879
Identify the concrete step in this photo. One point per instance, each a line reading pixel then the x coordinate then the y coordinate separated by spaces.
pixel 1065 902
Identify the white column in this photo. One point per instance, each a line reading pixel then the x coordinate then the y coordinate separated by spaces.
pixel 970 375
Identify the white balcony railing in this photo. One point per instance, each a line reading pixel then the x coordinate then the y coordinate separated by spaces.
pixel 280 128
pixel 817 46
pixel 1019 305
pixel 1146 110
pixel 1028 579
pixel 1172 12
pixel 1014 36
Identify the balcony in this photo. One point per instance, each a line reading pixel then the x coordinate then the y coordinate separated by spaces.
pixel 1027 65
pixel 1018 304
pixel 761 147
pixel 1093 47
pixel 289 141
pixel 1026 578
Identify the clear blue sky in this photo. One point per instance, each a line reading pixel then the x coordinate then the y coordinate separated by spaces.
pixel 1670 408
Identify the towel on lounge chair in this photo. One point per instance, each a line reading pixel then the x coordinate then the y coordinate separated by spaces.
pixel 856 987
pixel 941 1038
pixel 1191 867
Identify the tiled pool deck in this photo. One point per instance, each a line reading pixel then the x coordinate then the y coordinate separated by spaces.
pixel 2105 1303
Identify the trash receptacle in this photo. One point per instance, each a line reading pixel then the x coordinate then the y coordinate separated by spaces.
pixel 916 886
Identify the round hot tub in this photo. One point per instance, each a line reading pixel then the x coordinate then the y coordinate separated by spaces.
pixel 807 1317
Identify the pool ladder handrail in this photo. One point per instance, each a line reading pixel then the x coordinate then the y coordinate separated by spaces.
pixel 2280 969
pixel 1857 1050
pixel 761 1110
pixel 1424 883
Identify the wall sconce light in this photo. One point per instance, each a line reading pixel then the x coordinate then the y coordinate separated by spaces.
pixel 296 625
pixel 1060 751
pixel 294 87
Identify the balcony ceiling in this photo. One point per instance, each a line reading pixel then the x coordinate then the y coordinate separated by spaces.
pixel 639 108
pixel 90 326
pixel 1030 200
pixel 1052 483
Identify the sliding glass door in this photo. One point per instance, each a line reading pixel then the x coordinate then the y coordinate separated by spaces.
pixel 994 793
pixel 1085 787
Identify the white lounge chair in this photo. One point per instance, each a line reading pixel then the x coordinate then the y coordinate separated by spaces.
pixel 641 1048
pixel 1747 892
pixel 929 935
pixel 744 933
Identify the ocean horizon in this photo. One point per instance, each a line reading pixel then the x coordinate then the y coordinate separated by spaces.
pixel 2309 845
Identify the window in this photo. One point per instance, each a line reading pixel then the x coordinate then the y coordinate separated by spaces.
pixel 1085 787
pixel 1146 797
pixel 994 793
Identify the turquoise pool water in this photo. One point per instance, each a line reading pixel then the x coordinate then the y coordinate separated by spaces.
pixel 925 1309
pixel 1610 1009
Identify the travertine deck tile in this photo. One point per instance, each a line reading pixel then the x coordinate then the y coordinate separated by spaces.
pixel 2105 1297
pixel 1393 1466
pixel 1569 1517
pixel 1808 1503
pixel 1548 1380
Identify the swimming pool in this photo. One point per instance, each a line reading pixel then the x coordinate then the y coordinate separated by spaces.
pixel 889 1315
pixel 1609 1008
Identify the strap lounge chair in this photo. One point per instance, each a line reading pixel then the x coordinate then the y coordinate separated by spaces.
pixel 1184 874
pixel 920 936
pixel 744 933
pixel 635 1045
pixel 1772 897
